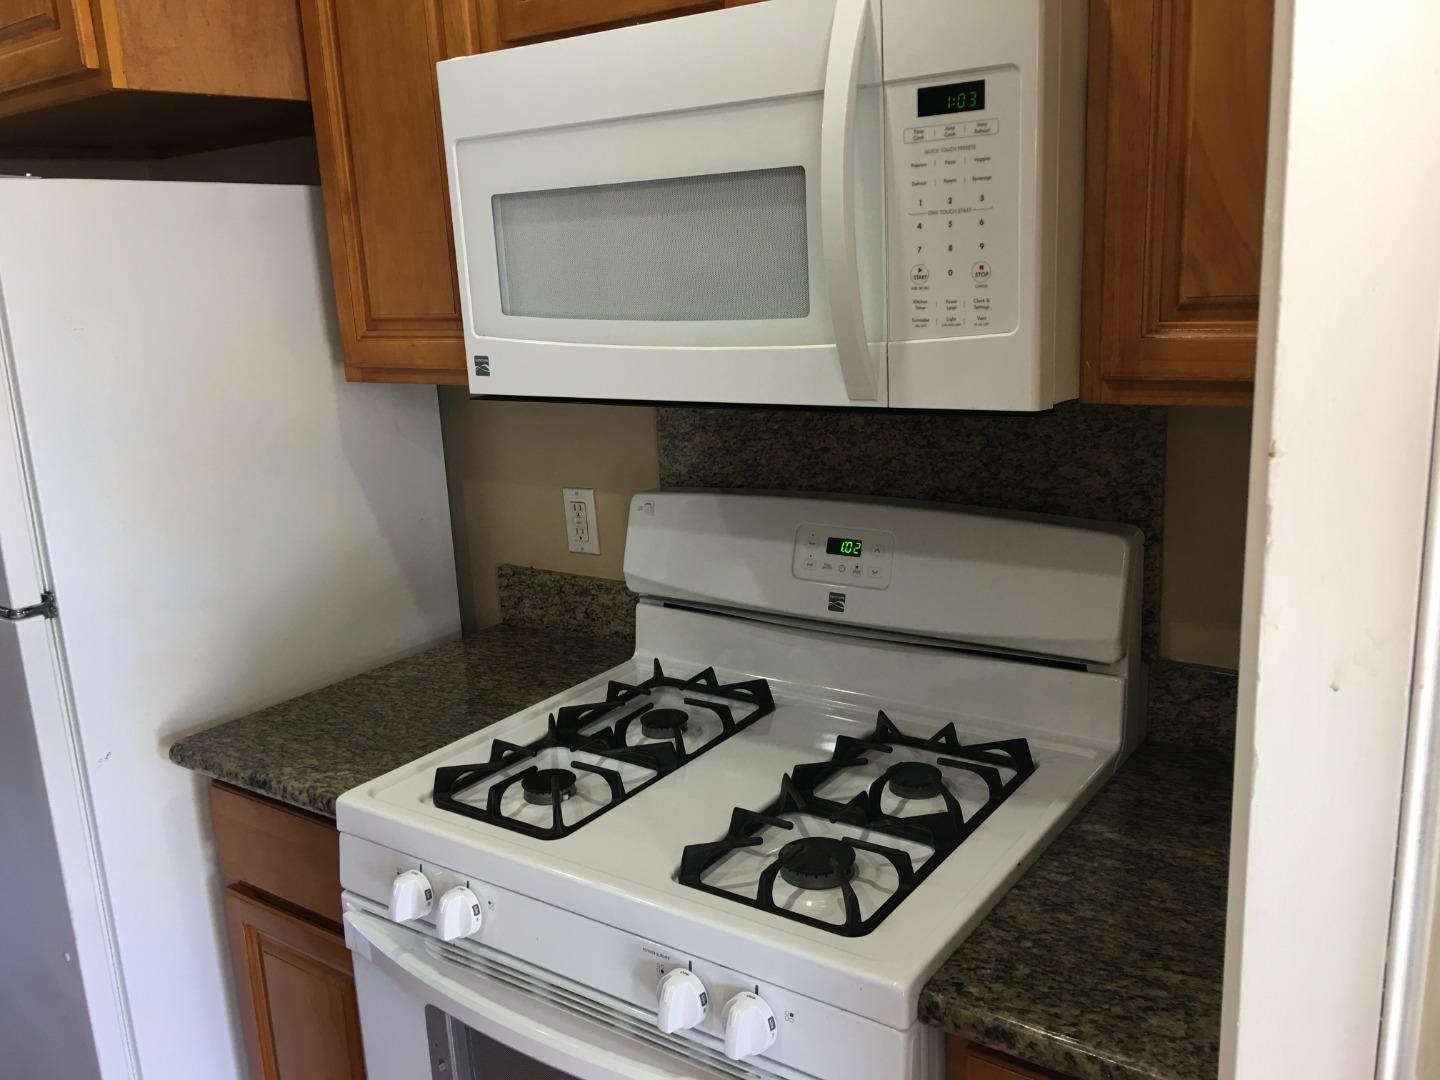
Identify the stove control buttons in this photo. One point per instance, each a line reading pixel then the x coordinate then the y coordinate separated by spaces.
pixel 749 1026
pixel 459 914
pixel 410 896
pixel 683 1001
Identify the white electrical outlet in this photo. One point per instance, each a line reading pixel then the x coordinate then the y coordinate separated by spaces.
pixel 582 530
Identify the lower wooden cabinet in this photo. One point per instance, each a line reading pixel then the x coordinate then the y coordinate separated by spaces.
pixel 964 1061
pixel 296 990
pixel 293 979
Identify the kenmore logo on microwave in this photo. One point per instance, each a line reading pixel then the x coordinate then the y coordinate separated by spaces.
pixel 837 601
pixel 482 365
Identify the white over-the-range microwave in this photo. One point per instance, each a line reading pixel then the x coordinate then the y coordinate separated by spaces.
pixel 797 202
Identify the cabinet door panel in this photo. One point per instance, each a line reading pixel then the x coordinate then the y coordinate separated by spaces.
pixel 528 20
pixel 387 207
pixel 966 1062
pixel 1179 103
pixel 44 39
pixel 297 993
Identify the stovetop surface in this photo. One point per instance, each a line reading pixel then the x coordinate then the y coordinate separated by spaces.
pixel 623 866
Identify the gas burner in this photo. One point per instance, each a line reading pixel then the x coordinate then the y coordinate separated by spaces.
pixel 853 808
pixel 915 780
pixel 548 786
pixel 583 765
pixel 817 862
pixel 664 723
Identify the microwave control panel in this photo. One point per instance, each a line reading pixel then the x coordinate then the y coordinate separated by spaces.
pixel 955 180
pixel 838 555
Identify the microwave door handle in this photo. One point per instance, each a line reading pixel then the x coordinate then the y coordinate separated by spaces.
pixel 837 198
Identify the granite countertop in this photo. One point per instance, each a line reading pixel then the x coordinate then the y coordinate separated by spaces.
pixel 1106 959
pixel 307 751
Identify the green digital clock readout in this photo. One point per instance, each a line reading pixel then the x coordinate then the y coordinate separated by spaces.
pixel 839 545
pixel 951 98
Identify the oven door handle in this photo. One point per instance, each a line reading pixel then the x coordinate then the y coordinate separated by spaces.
pixel 837 198
pixel 541 1032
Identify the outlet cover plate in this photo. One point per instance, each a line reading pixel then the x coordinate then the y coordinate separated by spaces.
pixel 582 528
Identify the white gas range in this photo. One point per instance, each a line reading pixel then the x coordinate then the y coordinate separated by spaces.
pixel 847 728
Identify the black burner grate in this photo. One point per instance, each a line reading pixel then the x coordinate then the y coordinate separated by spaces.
pixel 572 728
pixel 943 831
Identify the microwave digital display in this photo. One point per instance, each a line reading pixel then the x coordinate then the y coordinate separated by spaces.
pixel 951 98
pixel 839 545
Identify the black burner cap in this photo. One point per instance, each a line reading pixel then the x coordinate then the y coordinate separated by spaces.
pixel 541 787
pixel 915 780
pixel 664 723
pixel 817 862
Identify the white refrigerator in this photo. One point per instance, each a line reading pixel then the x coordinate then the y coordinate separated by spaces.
pixel 222 523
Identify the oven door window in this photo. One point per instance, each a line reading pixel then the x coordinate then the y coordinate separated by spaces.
pixel 461 1053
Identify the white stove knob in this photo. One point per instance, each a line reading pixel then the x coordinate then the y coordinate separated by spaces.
pixel 410 896
pixel 459 914
pixel 749 1026
pixel 683 1001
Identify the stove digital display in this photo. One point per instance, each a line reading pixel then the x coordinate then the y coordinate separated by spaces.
pixel 951 98
pixel 839 545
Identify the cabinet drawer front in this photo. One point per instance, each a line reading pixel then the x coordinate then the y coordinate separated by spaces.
pixel 45 39
pixel 276 849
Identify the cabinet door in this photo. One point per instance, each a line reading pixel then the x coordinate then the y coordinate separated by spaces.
pixel 966 1062
pixel 1179 103
pixel 45 39
pixel 297 993
pixel 512 22
pixel 387 206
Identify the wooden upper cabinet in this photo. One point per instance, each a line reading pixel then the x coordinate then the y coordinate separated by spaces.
pixel 148 77
pixel 513 22
pixel 382 168
pixel 1178 112
pixel 44 39
pixel 382 160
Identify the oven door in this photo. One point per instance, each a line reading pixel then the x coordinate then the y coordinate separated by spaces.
pixel 424 1013
pixel 688 210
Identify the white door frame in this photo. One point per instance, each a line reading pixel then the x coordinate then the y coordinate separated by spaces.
pixel 1340 471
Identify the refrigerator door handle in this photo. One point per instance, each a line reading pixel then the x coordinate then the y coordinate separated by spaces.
pixel 45 609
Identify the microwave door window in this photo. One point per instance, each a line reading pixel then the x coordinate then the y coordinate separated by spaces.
pixel 721 247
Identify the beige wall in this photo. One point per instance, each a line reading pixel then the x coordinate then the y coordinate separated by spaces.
pixel 508 460
pixel 1203 561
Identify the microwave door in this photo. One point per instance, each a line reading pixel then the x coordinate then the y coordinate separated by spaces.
pixel 689 210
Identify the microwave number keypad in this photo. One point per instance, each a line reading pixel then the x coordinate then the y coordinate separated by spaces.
pixel 957 185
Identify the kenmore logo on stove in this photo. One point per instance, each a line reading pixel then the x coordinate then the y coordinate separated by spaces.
pixel 482 365
pixel 837 601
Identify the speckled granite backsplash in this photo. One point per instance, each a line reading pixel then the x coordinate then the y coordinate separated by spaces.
pixel 549 600
pixel 1192 706
pixel 1090 461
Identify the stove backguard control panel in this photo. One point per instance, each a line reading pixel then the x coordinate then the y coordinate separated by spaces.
pixel 955 162
pixel 842 555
